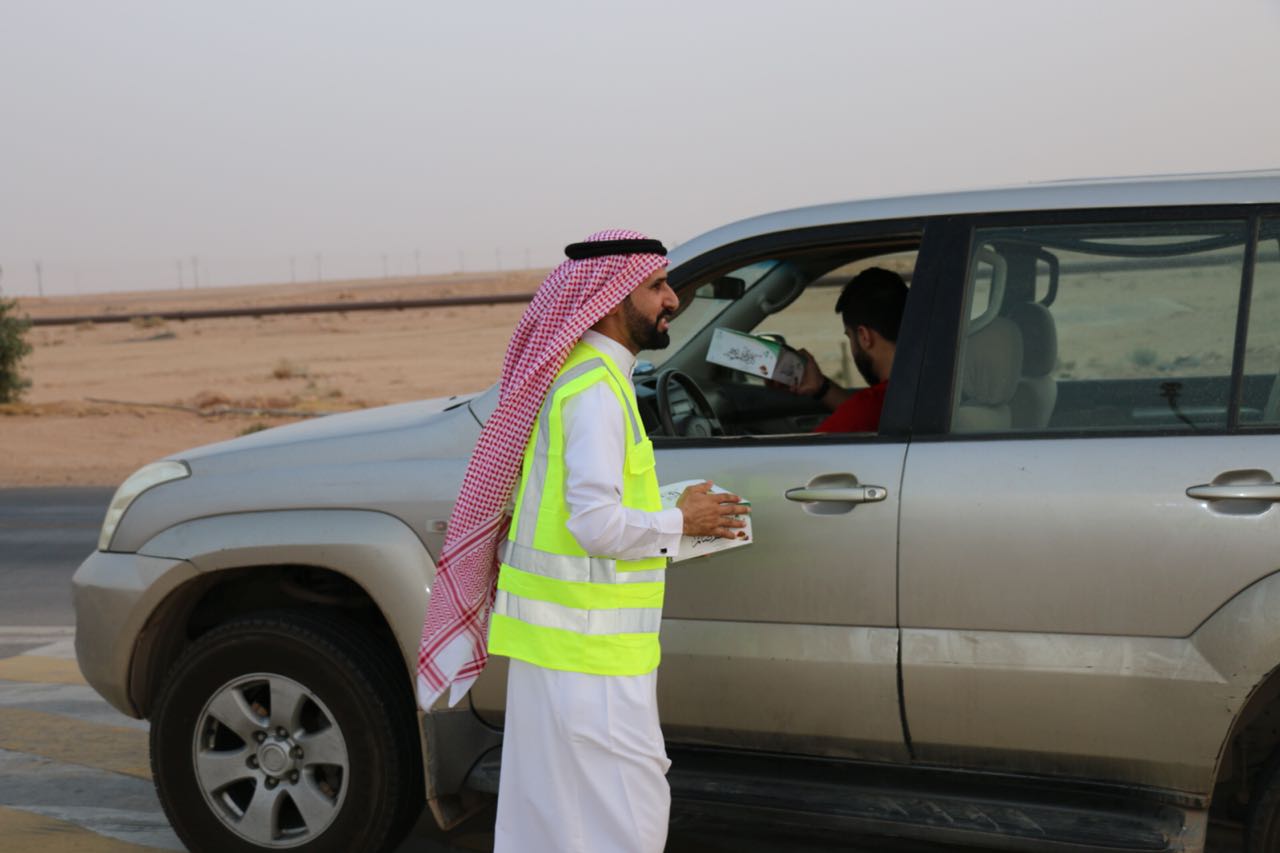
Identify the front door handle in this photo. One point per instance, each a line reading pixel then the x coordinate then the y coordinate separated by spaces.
pixel 840 494
pixel 1235 492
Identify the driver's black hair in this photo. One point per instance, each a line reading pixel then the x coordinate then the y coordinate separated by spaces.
pixel 874 298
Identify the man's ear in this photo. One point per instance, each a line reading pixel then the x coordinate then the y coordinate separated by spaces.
pixel 866 336
pixel 610 317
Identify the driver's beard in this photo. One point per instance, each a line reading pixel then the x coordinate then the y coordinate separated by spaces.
pixel 644 333
pixel 862 361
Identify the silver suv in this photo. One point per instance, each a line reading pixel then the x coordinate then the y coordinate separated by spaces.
pixel 1054 620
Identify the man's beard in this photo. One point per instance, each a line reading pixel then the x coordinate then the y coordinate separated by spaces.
pixel 862 361
pixel 644 333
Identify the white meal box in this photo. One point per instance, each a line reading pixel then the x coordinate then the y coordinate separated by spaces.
pixel 757 356
pixel 701 546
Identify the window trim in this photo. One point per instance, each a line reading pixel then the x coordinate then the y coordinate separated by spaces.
pixel 1235 396
pixel 732 256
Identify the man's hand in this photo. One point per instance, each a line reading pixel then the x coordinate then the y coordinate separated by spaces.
pixel 810 381
pixel 707 514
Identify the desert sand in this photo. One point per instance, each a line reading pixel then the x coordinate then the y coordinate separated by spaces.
pixel 107 398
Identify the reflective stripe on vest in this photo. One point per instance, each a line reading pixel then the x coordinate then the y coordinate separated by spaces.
pixel 558 606
pixel 570 567
pixel 637 620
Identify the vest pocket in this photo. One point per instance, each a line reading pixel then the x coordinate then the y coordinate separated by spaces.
pixel 640 457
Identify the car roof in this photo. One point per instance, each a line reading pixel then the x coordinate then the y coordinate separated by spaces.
pixel 1252 187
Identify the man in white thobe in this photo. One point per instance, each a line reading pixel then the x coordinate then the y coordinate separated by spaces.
pixel 583 760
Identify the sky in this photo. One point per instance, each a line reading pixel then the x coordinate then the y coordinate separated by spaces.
pixel 153 143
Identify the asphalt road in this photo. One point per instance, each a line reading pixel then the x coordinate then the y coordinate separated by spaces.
pixel 74 773
pixel 44 535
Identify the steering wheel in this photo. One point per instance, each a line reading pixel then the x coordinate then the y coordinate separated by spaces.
pixel 701 422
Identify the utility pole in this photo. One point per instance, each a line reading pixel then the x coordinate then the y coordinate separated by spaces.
pixel 417 261
pixel 39 279
pixel 181 278
pixel 293 269
pixel 195 271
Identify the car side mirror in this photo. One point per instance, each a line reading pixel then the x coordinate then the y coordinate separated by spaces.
pixel 728 287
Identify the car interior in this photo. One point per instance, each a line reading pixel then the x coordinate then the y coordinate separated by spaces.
pixel 789 299
pixel 1109 327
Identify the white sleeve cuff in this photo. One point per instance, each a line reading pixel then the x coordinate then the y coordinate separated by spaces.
pixel 669 526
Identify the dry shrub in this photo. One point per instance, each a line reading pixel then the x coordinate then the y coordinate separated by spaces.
pixel 209 399
pixel 286 369
pixel 13 349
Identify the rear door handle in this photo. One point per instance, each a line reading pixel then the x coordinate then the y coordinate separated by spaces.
pixel 841 494
pixel 1236 492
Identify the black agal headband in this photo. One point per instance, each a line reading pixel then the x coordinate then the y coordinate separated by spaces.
pixel 600 248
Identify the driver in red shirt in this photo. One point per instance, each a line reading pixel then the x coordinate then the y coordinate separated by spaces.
pixel 871 307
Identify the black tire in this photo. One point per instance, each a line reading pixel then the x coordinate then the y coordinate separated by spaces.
pixel 1262 828
pixel 362 794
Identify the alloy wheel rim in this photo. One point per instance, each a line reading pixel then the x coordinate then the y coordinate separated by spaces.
pixel 270 760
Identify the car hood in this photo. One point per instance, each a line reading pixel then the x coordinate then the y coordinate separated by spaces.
pixel 405 460
pixel 386 432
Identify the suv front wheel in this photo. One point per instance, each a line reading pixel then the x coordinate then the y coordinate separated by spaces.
pixel 281 731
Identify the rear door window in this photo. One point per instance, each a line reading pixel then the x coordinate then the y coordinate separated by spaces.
pixel 1103 327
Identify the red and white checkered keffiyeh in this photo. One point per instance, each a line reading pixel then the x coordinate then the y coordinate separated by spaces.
pixel 571 300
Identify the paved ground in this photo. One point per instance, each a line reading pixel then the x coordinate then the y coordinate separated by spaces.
pixel 44 534
pixel 75 776
pixel 74 773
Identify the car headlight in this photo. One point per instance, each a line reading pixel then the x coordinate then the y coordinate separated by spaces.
pixel 138 482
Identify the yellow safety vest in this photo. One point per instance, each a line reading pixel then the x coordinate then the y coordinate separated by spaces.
pixel 558 606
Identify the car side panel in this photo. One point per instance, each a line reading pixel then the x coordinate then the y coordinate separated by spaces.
pixel 377 551
pixel 1083 535
pixel 1145 710
pixel 1054 603
pixel 1141 710
pixel 789 643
